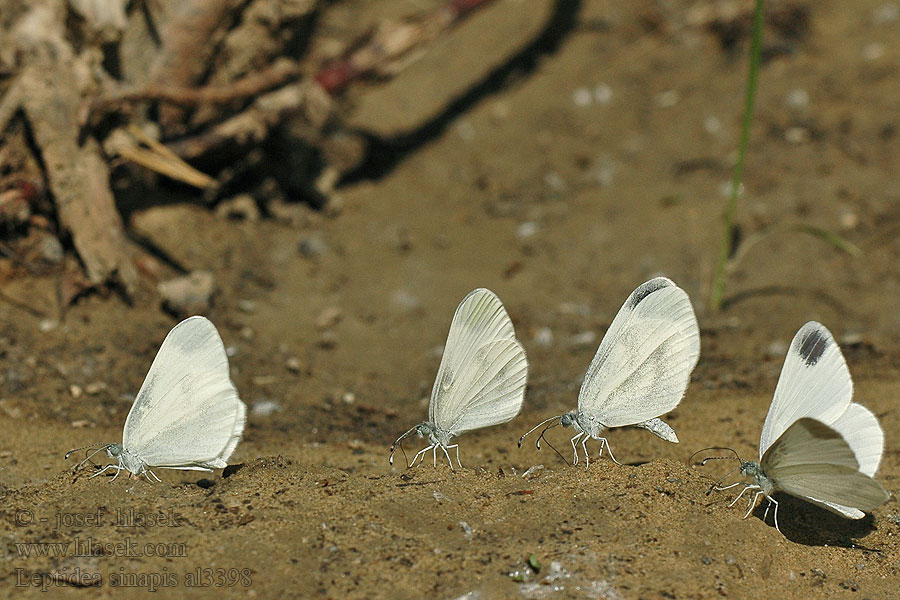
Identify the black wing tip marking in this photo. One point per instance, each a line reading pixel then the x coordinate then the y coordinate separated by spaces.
pixel 812 345
pixel 647 288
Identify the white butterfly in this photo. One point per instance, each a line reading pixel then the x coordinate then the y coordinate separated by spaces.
pixel 481 380
pixel 816 444
pixel 641 370
pixel 187 414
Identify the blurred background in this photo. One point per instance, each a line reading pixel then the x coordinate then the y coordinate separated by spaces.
pixel 326 180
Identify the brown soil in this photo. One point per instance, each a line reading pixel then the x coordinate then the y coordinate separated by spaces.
pixel 615 193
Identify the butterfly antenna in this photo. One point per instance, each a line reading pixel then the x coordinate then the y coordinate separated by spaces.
pixel 703 462
pixel 397 444
pixel 89 456
pixel 548 442
pixel 721 479
pixel 537 427
pixel 74 450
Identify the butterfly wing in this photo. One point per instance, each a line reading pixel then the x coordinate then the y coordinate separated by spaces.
pixel 482 377
pixel 643 365
pixel 814 383
pixel 187 412
pixel 860 429
pixel 812 460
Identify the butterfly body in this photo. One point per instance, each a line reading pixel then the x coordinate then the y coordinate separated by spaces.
pixel 816 443
pixel 752 470
pixel 187 414
pixel 584 424
pixel 640 371
pixel 481 379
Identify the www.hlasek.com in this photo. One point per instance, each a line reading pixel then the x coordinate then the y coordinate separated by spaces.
pixel 151 581
pixel 80 548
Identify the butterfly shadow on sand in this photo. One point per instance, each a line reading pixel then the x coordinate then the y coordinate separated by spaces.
pixel 807 524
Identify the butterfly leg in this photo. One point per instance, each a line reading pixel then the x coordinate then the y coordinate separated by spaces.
pixel 587 461
pixel 447 454
pixel 605 442
pixel 457 455
pixel 746 487
pixel 103 470
pixel 147 473
pixel 420 454
pixel 728 487
pixel 575 448
pixel 775 512
pixel 753 502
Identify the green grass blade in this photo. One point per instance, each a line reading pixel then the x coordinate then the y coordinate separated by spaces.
pixel 829 237
pixel 721 274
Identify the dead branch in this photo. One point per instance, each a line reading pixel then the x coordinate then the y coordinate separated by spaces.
pixel 392 45
pixel 279 73
pixel 304 99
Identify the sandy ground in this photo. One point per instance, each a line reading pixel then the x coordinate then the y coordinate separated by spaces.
pixel 603 166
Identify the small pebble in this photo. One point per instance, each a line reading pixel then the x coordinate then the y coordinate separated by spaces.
pixel 533 472
pixel 92 389
pixel 499 110
pixel 247 306
pixel 406 302
pixel 555 182
pixel 312 246
pixel 190 294
pixel 76 391
pixel 328 340
pixel 852 337
pixel 467 530
pixel 582 97
pixel 712 125
pixel 329 317
pixel 848 219
pixel 776 349
pixel 265 408
pixel 603 93
pixel 47 325
pixel 349 398
pixel 582 340
pixel 81 423
pixel 797 98
pixel 796 135
pixel 544 337
pixel 604 170
pixel 873 51
pixel 526 230
pixel 465 130
pixel 293 364
pixel 667 99
pixel 886 13
pixel 725 189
